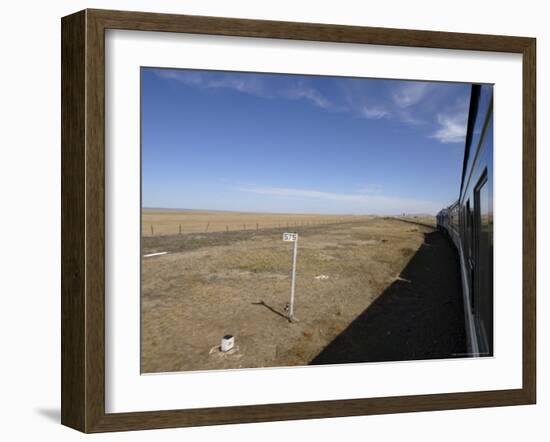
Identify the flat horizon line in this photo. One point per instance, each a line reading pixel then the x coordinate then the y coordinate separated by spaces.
pixel 181 209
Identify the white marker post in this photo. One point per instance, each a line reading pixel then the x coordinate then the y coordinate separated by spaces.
pixel 292 237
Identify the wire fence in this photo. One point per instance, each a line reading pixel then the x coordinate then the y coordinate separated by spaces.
pixel 171 228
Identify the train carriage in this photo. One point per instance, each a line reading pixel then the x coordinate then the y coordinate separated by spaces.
pixel 469 222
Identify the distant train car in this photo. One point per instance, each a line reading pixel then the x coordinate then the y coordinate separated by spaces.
pixel 469 223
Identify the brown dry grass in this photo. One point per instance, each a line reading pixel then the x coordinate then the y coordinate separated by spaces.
pixel 168 222
pixel 209 285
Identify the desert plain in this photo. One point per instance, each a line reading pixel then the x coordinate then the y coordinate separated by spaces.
pixel 365 291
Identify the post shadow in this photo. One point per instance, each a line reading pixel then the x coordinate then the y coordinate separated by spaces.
pixel 419 316
pixel 263 304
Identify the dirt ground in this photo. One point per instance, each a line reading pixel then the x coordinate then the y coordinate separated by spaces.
pixel 211 284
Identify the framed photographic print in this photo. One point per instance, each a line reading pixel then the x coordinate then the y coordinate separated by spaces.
pixel 269 220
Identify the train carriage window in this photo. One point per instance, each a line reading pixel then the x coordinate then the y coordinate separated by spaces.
pixel 462 225
pixel 469 232
pixel 483 256
pixel 468 238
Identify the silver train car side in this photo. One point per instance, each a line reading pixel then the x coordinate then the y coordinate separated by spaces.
pixel 468 222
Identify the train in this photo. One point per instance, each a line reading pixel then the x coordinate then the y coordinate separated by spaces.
pixel 468 223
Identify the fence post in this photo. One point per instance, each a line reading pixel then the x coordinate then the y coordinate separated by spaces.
pixel 152 231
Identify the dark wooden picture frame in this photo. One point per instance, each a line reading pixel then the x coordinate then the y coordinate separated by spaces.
pixel 83 220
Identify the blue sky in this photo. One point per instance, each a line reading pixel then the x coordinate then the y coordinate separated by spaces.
pixel 296 143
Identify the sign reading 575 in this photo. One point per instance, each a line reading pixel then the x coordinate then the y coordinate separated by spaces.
pixel 292 237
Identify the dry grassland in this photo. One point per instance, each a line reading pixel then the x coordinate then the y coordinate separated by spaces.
pixel 238 282
pixel 157 222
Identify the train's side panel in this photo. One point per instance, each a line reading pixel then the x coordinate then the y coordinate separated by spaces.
pixel 476 217
pixel 469 223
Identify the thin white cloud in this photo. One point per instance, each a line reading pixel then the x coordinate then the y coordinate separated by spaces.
pixel 189 77
pixel 374 113
pixel 350 202
pixel 302 91
pixel 358 99
pixel 411 118
pixel 409 102
pixel 242 83
pixel 252 84
pixel 409 93
pixel 370 189
pixel 452 128
pixel 396 100
pixel 247 84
